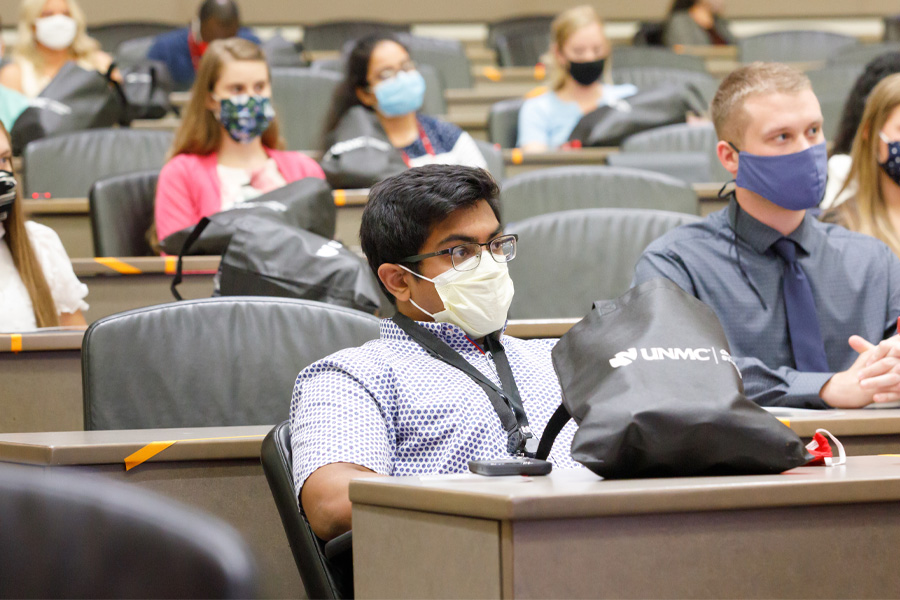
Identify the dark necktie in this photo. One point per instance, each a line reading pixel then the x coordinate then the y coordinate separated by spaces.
pixel 802 320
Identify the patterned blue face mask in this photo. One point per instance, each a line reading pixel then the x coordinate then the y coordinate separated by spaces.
pixel 892 165
pixel 401 94
pixel 245 117
pixel 792 181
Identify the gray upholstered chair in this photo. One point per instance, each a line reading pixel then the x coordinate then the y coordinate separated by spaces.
pixel 74 535
pixel 302 99
pixel 645 56
pixel 690 167
pixel 793 46
pixel 568 260
pixel 210 362
pixel 832 85
pixel 121 213
pixel 520 41
pixel 702 84
pixel 447 56
pixel 677 139
pixel 111 35
pixel 494 158
pixel 570 188
pixel 282 53
pixel 861 54
pixel 66 166
pixel 333 35
pixel 503 122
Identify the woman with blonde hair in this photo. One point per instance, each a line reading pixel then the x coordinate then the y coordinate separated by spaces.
pixel 38 287
pixel 227 149
pixel 51 33
pixel 579 48
pixel 875 171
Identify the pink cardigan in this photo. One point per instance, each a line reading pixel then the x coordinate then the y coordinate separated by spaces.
pixel 188 186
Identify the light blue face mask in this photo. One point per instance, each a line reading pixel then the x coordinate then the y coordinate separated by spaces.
pixel 792 181
pixel 401 94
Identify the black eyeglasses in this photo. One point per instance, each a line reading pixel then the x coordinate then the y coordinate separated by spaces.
pixel 466 257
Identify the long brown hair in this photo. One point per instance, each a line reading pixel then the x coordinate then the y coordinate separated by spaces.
pixel 26 262
pixel 866 211
pixel 200 132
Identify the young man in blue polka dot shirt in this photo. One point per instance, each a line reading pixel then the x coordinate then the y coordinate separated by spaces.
pixel 433 237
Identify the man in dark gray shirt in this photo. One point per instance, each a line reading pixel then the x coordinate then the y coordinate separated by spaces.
pixel 739 260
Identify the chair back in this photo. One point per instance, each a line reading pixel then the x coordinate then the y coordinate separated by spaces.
pixel 702 84
pixel 281 52
pixel 520 42
pixel 570 188
pixel 302 99
pixel 680 138
pixel 690 167
pixel 75 535
pixel 862 54
pixel 646 56
pixel 448 57
pixel 121 213
pixel 210 362
pixel 67 165
pixel 494 158
pixel 568 260
pixel 832 85
pixel 503 122
pixel 793 46
pixel 321 578
pixel 332 36
pixel 111 35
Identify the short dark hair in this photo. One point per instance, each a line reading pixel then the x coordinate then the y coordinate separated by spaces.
pixel 404 209
pixel 224 11
pixel 877 69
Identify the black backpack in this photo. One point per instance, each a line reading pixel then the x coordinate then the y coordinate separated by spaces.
pixel 265 256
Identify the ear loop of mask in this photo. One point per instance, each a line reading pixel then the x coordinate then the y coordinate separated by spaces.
pixel 829 460
pixel 411 301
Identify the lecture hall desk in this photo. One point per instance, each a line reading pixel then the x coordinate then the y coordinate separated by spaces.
pixel 215 469
pixel 813 532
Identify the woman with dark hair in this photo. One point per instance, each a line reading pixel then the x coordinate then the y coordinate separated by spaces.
pixel 381 79
pixel 696 23
pixel 839 163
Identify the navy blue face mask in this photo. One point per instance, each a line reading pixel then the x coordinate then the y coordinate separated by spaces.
pixel 792 181
pixel 892 165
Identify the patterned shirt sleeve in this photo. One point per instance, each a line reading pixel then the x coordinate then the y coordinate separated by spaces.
pixel 335 419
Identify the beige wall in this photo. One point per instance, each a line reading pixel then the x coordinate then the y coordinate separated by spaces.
pixel 436 11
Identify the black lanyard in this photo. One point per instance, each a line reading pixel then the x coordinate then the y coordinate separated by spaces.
pixel 506 401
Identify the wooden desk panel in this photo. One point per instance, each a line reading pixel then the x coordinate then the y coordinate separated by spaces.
pixel 41 374
pixel 221 475
pixel 574 535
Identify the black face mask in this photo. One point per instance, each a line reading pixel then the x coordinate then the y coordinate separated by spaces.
pixel 7 193
pixel 586 73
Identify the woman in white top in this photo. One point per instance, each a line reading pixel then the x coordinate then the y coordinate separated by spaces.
pixel 50 34
pixel 38 287
pixel 579 48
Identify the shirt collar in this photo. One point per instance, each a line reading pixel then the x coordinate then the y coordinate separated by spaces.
pixel 760 236
pixel 450 334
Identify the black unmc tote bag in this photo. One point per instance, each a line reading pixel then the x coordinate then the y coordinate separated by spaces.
pixel 650 381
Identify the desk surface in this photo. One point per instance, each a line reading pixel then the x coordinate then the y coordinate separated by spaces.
pixel 110 447
pixel 579 493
